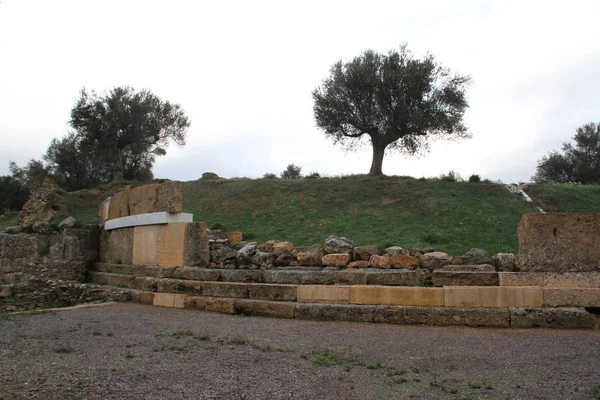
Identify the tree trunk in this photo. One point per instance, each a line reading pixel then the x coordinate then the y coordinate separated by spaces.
pixel 377 163
pixel 118 172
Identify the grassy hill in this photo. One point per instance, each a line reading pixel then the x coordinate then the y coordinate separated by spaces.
pixel 450 216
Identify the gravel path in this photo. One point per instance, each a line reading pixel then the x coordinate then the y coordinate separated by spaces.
pixel 129 351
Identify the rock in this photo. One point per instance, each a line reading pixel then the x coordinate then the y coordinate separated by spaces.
pixel 245 254
pixel 379 261
pixel 435 260
pixel 358 264
pixel 41 204
pixel 311 255
pixel 67 223
pixel 210 176
pixel 13 230
pixel 222 254
pixel 338 244
pixel 169 197
pixel 263 257
pixel 197 252
pixel 477 256
pixel 401 260
pixel 469 268
pixel 460 260
pixel 397 250
pixel 283 260
pixel 142 199
pixel 234 237
pixel 554 318
pixel 419 277
pixel 267 246
pixel 506 262
pixel 334 312
pixel 283 247
pixel 217 235
pixel 364 253
pixel 5 291
pixel 42 227
pixel 336 259
pixel 443 316
pixel 464 278
pixel 104 211
pixel 116 246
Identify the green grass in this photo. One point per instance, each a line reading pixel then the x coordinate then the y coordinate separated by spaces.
pixel 566 198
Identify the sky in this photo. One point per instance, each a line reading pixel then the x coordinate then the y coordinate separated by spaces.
pixel 243 72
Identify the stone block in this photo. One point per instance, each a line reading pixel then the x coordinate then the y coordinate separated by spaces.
pixel 241 275
pixel 272 292
pixel 351 277
pixel 171 250
pixel 358 264
pixel 234 237
pixel 336 259
pixel 419 277
pixel 173 300
pixel 298 277
pixel 119 204
pixel 398 260
pixel 146 284
pixel 196 274
pixel 142 199
pixel 469 268
pixel 214 304
pixel 146 244
pixel 282 247
pixel 554 318
pixel 480 296
pixel 334 312
pixel 225 289
pixel 571 297
pixel 323 294
pixel 435 260
pixel 277 309
pixel 551 279
pixel 444 316
pixel 364 253
pixel 146 298
pixel 464 278
pixel 104 211
pixel 116 246
pixel 169 197
pixel 179 286
pixel 379 261
pixel 310 256
pixel 400 296
pixel 559 242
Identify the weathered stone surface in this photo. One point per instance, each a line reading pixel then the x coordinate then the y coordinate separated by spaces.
pixel 5 291
pixel 42 197
pixel 282 247
pixel 171 252
pixel 311 255
pixel 477 256
pixel 240 275
pixel 505 262
pixel 119 204
pixel 196 274
pixel 336 259
pixel 420 277
pixel 298 277
pixel 210 176
pixel 399 260
pixel 470 296
pixel 169 300
pixel 358 264
pixel 223 254
pixel 402 296
pixel 283 260
pixel 225 289
pixel 267 246
pixel 234 237
pixel 277 309
pixel 323 294
pixel 197 253
pixel 551 279
pixel 142 199
pixel 338 244
pixel 469 268
pixel 435 260
pixel 554 318
pixel 364 253
pixel 263 257
pixel 245 254
pixel 116 246
pixel 104 211
pixel 465 278
pixel 397 250
pixel 443 316
pixel 379 261
pixel 272 292
pixel 571 297
pixel 169 197
pixel 179 286
pixel 146 244
pixel 214 304
pixel 351 277
pixel 67 223
pixel 13 230
pixel 334 312
pixel 42 227
pixel 559 242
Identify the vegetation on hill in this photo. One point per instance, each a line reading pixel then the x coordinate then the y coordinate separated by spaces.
pixel 566 198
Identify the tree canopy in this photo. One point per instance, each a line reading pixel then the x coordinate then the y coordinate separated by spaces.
pixel 579 162
pixel 396 101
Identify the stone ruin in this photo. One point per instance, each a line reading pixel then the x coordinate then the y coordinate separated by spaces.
pixel 145 249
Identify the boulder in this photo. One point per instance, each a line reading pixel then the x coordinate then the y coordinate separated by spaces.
pixel 67 223
pixel 338 244
pixel 42 227
pixel 234 237
pixel 435 260
pixel 169 197
pixel 358 264
pixel 261 257
pixel 364 253
pixel 476 256
pixel 282 247
pixel 41 204
pixel 284 260
pixel 310 255
pixel 13 230
pixel 397 250
pixel 267 246
pixel 506 262
pixel 210 176
pixel 401 260
pixel 245 254
pixel 379 261
pixel 336 259
pixel 222 254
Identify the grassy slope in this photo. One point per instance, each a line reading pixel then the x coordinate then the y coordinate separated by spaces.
pixel 566 198
pixel 452 217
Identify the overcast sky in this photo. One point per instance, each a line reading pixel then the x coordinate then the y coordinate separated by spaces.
pixel 243 71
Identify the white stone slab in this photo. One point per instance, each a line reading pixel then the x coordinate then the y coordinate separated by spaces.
pixel 156 218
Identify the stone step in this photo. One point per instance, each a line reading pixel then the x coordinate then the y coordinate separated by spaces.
pixel 464 278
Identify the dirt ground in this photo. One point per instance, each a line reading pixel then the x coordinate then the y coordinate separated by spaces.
pixel 129 351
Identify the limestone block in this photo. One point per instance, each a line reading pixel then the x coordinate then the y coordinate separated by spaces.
pixel 172 245
pixel 435 260
pixel 104 211
pixel 379 261
pixel 179 286
pixel 419 277
pixel 146 244
pixel 298 277
pixel 351 277
pixel 240 275
pixel 196 274
pixel 559 242
pixel 444 316
pixel 554 318
pixel 272 292
pixel 169 197
pixel 116 246
pixel 469 268
pixel 364 253
pixel 401 296
pixel 336 259
pixel 142 199
pixel 399 260
pixel 551 279
pixel 311 255
pixel 234 237
pixel 323 294
pixel 173 300
pixel 464 278
pixel 214 304
pixel 480 296
pixel 277 309
pixel 334 312
pixel 571 297
pixel 358 264
pixel 119 204
pixel 225 289
pixel 282 247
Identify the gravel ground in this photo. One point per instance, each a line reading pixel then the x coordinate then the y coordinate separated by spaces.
pixel 129 351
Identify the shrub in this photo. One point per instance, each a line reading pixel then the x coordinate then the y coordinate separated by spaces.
pixel 269 175
pixel 217 225
pixel 292 172
pixel 475 178
pixel 313 175
pixel 452 176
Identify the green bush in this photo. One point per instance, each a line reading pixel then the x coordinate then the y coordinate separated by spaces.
pixel 269 175
pixel 217 225
pixel 313 175
pixel 452 176
pixel 475 178
pixel 292 172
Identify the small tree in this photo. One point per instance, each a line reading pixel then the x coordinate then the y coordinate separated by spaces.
pixel 579 162
pixel 292 172
pixel 398 102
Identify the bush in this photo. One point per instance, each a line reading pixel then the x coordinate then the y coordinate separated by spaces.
pixel 269 175
pixel 292 172
pixel 451 177
pixel 475 178
pixel 313 175
pixel 217 225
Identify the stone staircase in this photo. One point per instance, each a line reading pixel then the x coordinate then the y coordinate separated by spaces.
pixel 463 298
